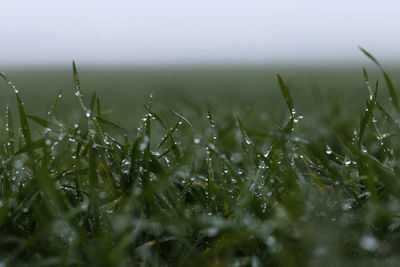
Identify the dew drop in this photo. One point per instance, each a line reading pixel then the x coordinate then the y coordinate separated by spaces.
pixel 369 243
pixel 346 206
pixel 247 140
pixel 328 150
pixel 347 161
pixel 364 149
pixel 271 241
pixel 213 231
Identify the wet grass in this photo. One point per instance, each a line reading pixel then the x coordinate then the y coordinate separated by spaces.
pixel 193 187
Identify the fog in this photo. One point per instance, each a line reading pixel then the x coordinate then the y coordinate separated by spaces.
pixel 196 32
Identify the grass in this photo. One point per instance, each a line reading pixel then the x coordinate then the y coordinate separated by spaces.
pixel 201 188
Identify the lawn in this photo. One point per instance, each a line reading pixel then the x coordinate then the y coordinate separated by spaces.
pixel 220 166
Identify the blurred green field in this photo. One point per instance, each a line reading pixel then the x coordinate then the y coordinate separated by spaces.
pixel 222 88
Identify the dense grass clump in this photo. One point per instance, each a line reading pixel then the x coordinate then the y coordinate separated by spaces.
pixel 213 190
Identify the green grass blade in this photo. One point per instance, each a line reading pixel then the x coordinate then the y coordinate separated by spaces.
pixel 32 146
pixel 389 118
pixel 78 91
pixel 370 57
pixel 53 106
pixel 22 114
pixel 392 91
pixel 99 111
pixel 153 114
pixel 367 115
pixel 135 155
pixel 182 117
pixel 10 131
pixel 114 126
pixel 314 177
pixel 367 82
pixel 211 122
pixel 94 186
pixel 24 121
pixel 286 94
pixel 250 142
pixel 169 133
pixel 42 122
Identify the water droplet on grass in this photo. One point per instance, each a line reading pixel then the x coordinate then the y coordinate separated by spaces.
pixel 346 206
pixel 297 119
pixel 369 243
pixel 247 140
pixel 328 150
pixel 347 161
pixel 213 231
pixel 144 144
pixel 271 241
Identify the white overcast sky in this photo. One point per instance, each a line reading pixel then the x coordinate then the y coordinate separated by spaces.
pixel 185 31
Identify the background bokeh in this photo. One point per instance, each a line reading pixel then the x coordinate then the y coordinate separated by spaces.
pixel 195 52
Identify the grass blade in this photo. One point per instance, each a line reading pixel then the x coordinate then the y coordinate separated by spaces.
pixel 153 114
pixel 182 117
pixel 392 92
pixel 53 106
pixel 313 176
pixel 169 133
pixel 99 111
pixel 78 91
pixel 367 115
pixel 286 94
pixel 10 131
